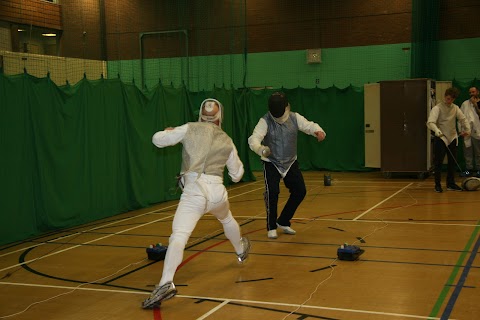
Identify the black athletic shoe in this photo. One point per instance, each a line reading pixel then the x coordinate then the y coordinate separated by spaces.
pixel 438 188
pixel 453 187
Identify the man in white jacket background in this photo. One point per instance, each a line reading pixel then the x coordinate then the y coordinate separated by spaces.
pixel 442 121
pixel 471 144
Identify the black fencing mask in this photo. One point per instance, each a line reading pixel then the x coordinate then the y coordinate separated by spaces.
pixel 277 103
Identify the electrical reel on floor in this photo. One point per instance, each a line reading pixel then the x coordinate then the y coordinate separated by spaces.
pixel 349 252
pixel 156 252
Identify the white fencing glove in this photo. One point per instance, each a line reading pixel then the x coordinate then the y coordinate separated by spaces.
pixel 264 151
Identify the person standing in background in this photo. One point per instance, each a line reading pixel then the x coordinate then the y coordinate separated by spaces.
pixel 471 145
pixel 442 121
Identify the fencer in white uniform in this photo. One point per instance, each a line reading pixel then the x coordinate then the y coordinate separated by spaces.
pixel 207 149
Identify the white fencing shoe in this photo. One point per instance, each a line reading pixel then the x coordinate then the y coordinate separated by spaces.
pixel 246 249
pixel 272 234
pixel 161 293
pixel 287 230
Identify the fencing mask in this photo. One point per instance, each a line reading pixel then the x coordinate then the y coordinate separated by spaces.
pixel 278 107
pixel 277 104
pixel 211 110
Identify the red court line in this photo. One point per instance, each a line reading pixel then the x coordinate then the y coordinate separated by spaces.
pixel 157 315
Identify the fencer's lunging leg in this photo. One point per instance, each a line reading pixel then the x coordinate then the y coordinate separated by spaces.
pixel 232 232
pixel 189 211
pixel 221 211
pixel 174 256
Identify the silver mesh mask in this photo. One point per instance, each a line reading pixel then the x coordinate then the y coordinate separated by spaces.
pixel 208 105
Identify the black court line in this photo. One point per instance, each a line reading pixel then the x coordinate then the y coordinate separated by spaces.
pixel 360 259
pixel 327 267
pixel 431 220
pixel 28 268
pixel 336 229
pixel 361 239
pixel 25 266
pixel 455 285
pixel 335 246
pixel 403 220
pixel 253 280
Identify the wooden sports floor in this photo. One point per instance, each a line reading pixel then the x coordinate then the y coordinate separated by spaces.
pixel 421 259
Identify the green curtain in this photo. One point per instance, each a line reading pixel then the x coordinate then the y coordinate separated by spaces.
pixel 75 154
pixel 425 33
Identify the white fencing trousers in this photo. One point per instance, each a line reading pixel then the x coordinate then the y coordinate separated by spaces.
pixel 199 197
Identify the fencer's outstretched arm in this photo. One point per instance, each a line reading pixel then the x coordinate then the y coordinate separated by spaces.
pixel 169 137
pixel 255 140
pixel 235 166
pixel 308 127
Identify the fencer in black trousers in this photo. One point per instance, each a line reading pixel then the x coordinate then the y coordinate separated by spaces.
pixel 440 149
pixel 442 120
pixel 296 186
pixel 274 139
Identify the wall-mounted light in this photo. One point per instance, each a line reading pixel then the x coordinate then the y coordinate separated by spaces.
pixel 49 34
pixel 20 30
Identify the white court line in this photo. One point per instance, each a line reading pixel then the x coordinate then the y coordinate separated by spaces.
pixel 226 300
pixel 73 288
pixel 101 238
pixel 364 213
pixel 79 245
pixel 86 231
pixel 214 309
